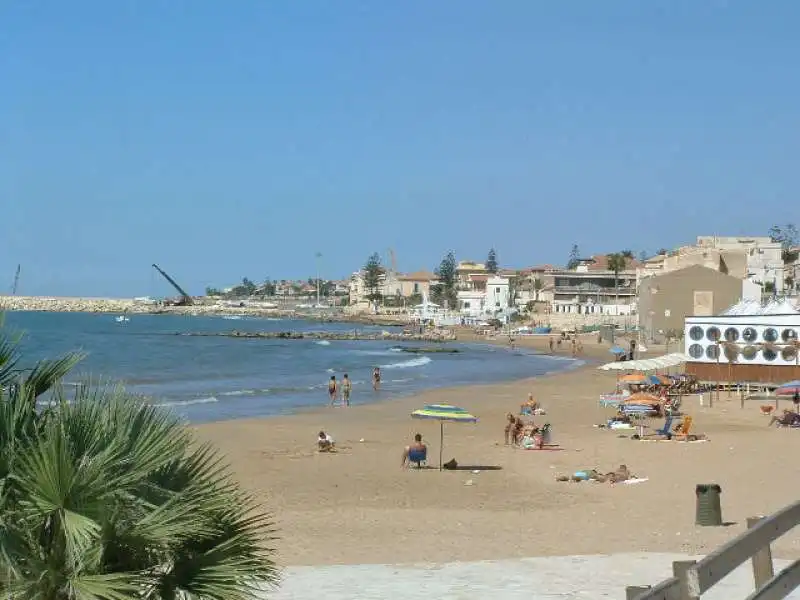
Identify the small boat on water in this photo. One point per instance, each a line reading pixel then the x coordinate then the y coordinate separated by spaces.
pixel 122 319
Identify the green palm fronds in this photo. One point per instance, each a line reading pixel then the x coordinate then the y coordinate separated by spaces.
pixel 103 497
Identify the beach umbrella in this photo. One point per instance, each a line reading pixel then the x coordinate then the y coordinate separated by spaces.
pixel 442 413
pixel 654 380
pixel 617 350
pixel 633 378
pixel 642 398
pixel 789 388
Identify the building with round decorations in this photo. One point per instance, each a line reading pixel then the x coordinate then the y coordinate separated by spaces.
pixel 747 343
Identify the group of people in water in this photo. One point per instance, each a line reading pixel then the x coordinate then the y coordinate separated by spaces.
pixel 345 388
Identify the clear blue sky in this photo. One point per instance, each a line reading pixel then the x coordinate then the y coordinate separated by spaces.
pixel 229 139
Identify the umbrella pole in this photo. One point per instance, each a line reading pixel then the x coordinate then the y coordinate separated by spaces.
pixel 441 442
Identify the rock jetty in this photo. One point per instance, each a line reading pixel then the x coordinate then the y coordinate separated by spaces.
pixel 331 336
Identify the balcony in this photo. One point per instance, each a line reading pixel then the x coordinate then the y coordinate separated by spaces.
pixel 594 290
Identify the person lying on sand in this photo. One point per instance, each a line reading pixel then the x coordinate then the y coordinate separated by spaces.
pixel 417 446
pixel 325 443
pixel 621 474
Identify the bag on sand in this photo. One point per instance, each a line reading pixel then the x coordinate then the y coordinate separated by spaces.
pixel 451 464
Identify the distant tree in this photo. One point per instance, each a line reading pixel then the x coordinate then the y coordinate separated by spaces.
pixel 789 282
pixel 574 257
pixel 627 254
pixel 249 286
pixel 789 239
pixel 491 261
pixel 211 291
pixel 769 287
pixel 327 288
pixel 374 274
pixel 268 288
pixel 642 256
pixel 617 263
pixel 444 292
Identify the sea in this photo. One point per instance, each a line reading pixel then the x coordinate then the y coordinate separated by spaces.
pixel 214 378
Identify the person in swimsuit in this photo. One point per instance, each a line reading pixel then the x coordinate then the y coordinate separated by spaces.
pixel 376 378
pixel 332 388
pixel 347 386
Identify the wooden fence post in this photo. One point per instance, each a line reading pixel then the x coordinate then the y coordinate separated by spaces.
pixel 763 569
pixel 633 591
pixel 680 569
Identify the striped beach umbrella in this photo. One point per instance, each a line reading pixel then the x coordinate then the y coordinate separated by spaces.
pixel 442 413
pixel 633 378
pixel 788 389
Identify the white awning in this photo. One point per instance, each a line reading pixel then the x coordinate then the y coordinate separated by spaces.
pixel 649 364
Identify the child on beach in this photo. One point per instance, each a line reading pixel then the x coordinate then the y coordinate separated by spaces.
pixel 332 389
pixel 347 386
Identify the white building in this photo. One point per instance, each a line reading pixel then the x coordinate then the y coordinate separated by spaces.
pixel 764 258
pixel 489 300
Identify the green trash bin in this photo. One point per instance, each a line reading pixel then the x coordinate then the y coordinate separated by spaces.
pixel 709 510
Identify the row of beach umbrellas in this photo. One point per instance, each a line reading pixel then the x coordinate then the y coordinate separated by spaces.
pixel 642 379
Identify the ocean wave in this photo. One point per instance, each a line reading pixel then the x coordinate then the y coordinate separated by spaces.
pixel 242 392
pixel 323 343
pixel 330 370
pixel 187 402
pixel 408 364
pixel 233 317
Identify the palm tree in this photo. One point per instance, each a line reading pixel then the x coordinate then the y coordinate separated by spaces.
pixel 103 497
pixel 617 263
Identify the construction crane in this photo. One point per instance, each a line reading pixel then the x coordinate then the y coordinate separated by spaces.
pixel 16 281
pixel 184 299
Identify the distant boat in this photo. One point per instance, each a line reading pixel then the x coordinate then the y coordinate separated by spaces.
pixel 121 319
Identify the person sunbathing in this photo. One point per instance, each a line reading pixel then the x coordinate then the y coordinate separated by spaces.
pixel 621 474
pixel 787 419
pixel 417 448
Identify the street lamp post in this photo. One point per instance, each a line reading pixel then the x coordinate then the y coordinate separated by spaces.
pixel 318 255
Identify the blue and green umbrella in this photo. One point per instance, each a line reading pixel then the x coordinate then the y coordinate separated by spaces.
pixel 442 413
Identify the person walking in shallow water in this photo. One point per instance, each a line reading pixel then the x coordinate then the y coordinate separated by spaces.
pixel 347 387
pixel 376 378
pixel 332 389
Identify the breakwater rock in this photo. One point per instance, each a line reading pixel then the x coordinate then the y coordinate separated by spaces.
pixel 330 336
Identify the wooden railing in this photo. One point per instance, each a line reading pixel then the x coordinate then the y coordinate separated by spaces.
pixel 690 579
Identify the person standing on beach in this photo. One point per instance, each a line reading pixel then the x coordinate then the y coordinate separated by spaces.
pixel 376 378
pixel 796 400
pixel 551 345
pixel 332 389
pixel 347 386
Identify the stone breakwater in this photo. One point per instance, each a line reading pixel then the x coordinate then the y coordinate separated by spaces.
pixel 330 336
pixel 55 304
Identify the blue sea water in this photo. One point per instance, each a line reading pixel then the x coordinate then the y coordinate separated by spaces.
pixel 216 378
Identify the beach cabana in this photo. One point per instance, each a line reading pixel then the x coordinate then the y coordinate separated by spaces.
pixel 442 413
pixel 648 364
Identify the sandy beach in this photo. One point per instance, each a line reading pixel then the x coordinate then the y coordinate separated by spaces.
pixel 358 506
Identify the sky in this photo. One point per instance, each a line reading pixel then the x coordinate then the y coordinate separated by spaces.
pixel 231 139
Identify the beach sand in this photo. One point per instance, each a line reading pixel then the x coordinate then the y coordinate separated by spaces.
pixel 358 506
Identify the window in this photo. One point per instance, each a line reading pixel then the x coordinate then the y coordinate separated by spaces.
pixel 731 334
pixel 789 354
pixel 712 352
pixel 731 353
pixel 750 352
pixel 713 334
pixel 416 288
pixel 769 354
pixel 750 335
pixel 696 333
pixel 770 335
pixel 696 351
pixel 789 335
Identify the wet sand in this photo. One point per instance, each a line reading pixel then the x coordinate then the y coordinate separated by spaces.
pixel 358 506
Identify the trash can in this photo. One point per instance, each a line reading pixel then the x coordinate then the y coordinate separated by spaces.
pixel 709 511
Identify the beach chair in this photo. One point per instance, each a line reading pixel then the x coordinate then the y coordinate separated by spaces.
pixel 417 457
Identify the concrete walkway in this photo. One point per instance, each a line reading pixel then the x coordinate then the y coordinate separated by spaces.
pixel 544 578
